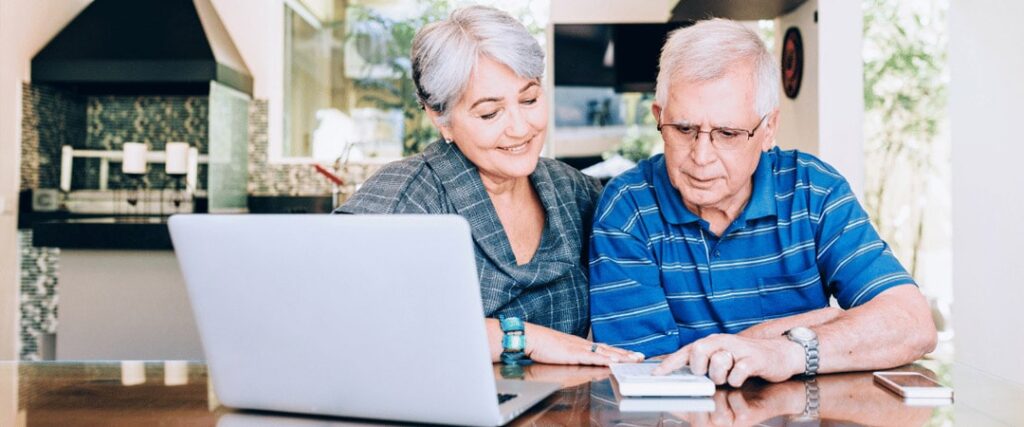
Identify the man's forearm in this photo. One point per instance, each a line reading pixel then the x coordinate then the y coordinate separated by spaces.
pixel 776 327
pixel 892 329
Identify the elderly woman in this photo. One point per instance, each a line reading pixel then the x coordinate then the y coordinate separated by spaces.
pixel 478 75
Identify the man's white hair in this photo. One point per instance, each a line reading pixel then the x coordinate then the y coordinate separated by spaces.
pixel 445 52
pixel 710 49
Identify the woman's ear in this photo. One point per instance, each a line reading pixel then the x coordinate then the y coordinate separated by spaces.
pixel 435 118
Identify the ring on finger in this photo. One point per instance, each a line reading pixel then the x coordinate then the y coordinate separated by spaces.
pixel 593 348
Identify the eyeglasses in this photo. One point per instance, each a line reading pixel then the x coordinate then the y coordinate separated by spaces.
pixel 721 138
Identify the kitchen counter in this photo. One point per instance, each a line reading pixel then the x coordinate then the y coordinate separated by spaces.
pixel 139 232
pixel 28 219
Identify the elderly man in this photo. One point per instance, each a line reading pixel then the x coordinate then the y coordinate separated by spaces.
pixel 725 251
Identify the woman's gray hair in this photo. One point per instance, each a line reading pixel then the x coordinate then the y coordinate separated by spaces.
pixel 708 50
pixel 445 52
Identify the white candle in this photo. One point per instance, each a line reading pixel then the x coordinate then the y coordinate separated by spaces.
pixel 134 161
pixel 67 154
pixel 177 158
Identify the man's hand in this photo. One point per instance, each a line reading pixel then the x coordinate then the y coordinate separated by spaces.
pixel 545 345
pixel 732 359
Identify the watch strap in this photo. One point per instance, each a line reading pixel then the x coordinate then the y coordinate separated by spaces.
pixel 812 357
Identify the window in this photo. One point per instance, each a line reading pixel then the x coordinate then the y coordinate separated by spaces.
pixel 348 79
pixel 308 76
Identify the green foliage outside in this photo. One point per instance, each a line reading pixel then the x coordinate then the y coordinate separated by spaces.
pixel 905 97
pixel 395 37
pixel 642 138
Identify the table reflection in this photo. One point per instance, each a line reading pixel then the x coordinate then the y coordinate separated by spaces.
pixel 847 399
pixel 149 393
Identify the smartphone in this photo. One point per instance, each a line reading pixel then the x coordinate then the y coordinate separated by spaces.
pixel 913 385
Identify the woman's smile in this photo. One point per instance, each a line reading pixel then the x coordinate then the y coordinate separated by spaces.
pixel 517 148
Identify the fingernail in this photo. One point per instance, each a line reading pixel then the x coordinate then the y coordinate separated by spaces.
pixel 639 356
pixel 615 359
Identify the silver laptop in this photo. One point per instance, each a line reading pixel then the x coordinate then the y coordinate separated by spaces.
pixel 359 316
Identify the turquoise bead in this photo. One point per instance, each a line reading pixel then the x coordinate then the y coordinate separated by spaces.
pixel 513 342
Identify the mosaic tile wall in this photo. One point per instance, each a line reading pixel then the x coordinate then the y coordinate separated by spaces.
pixel 267 179
pixel 38 295
pixel 275 179
pixel 50 119
pixel 114 120
pixel 53 118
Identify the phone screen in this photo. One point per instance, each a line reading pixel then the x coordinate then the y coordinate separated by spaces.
pixel 914 380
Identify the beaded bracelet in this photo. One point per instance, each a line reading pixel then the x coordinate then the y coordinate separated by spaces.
pixel 513 343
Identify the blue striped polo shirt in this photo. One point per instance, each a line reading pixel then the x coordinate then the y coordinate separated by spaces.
pixel 659 279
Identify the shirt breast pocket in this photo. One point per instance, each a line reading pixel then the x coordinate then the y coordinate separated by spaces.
pixel 792 293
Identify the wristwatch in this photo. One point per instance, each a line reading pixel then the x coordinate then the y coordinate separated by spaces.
pixel 809 340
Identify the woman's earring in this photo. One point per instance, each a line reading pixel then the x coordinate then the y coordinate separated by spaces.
pixel 448 140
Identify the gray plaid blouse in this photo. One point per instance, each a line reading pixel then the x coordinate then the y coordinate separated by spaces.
pixel 551 289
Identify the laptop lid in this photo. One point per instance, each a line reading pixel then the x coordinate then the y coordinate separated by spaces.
pixel 362 316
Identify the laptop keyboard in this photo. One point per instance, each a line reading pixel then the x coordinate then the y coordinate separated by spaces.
pixel 502 398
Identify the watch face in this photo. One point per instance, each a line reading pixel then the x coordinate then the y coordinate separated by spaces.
pixel 801 333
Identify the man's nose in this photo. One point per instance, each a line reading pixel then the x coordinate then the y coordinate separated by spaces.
pixel 703 151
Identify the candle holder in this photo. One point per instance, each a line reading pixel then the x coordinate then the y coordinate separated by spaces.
pixel 135 193
pixel 178 191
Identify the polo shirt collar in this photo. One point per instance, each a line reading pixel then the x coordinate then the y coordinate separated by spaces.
pixel 762 197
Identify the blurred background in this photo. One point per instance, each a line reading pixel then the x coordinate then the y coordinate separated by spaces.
pixel 278 106
pixel 328 83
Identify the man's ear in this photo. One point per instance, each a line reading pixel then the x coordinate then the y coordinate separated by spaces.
pixel 770 125
pixel 435 118
pixel 656 111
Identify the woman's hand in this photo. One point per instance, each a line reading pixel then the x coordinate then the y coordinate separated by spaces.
pixel 545 345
